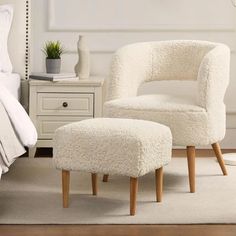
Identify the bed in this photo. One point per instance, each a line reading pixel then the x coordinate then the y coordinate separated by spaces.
pixel 16 129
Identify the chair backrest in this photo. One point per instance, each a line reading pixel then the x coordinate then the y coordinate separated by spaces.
pixel 178 59
pixel 138 63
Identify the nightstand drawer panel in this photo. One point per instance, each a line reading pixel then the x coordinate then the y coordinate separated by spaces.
pixel 77 104
pixel 48 124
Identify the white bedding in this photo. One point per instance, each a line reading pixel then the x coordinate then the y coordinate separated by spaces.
pixel 10 145
pixel 16 129
pixel 12 82
pixel 19 118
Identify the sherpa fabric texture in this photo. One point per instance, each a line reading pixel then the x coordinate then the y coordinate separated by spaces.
pixel 197 122
pixel 112 146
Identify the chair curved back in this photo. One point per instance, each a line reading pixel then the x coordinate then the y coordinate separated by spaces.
pixel 137 63
pixel 178 60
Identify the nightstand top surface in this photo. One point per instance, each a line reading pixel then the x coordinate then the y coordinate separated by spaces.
pixel 93 81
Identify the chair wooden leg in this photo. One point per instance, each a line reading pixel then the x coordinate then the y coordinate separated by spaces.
pixel 133 195
pixel 159 184
pixel 219 156
pixel 191 167
pixel 105 178
pixel 94 183
pixel 65 187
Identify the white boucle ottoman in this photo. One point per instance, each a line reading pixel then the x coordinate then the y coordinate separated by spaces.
pixel 113 146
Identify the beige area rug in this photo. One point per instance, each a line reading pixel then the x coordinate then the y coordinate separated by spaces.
pixel 30 194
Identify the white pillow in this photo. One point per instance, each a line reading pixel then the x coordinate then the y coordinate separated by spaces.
pixel 6 15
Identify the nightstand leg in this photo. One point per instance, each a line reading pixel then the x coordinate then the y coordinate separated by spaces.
pixel 32 151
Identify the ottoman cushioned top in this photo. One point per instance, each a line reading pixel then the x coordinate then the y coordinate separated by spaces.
pixel 112 146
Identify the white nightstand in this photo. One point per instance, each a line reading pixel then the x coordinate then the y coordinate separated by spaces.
pixel 54 104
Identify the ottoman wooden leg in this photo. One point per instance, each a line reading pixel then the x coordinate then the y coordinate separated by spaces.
pixel 133 195
pixel 105 178
pixel 65 187
pixel 94 184
pixel 159 184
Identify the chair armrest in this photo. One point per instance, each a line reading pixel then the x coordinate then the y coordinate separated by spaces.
pixel 213 77
pixel 131 66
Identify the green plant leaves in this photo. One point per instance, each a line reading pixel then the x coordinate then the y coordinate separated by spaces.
pixel 53 50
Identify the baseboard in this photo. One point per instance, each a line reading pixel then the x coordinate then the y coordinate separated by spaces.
pixel 180 152
pixel 229 141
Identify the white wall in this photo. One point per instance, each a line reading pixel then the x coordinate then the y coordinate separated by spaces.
pixel 109 24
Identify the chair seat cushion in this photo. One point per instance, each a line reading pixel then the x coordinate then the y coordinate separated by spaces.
pixel 189 123
pixel 157 102
pixel 112 146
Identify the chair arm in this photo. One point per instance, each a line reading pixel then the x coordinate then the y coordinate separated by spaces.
pixel 131 66
pixel 213 77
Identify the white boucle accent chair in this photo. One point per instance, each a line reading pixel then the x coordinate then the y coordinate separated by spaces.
pixel 192 123
pixel 126 147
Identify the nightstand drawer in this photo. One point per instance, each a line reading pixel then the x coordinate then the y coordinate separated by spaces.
pixel 74 104
pixel 46 125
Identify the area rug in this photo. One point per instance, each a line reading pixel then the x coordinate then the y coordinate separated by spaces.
pixel 31 194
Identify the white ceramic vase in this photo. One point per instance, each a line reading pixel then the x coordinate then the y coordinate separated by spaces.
pixel 82 68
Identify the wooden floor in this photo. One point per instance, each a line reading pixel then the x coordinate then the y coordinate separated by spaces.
pixel 123 230
pixel 118 230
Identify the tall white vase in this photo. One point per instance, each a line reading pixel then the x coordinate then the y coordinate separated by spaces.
pixel 82 68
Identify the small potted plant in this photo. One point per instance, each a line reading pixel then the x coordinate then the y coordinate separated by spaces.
pixel 53 51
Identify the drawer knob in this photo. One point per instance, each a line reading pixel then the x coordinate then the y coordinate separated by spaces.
pixel 65 104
